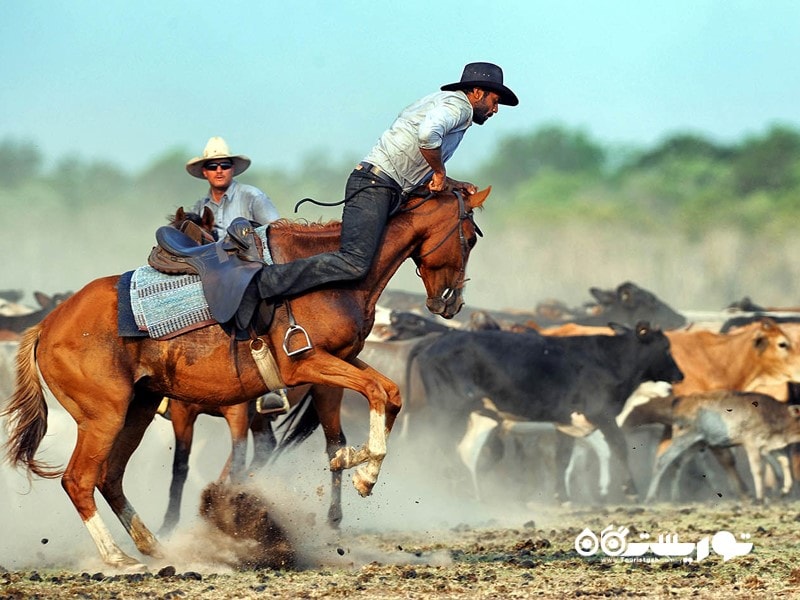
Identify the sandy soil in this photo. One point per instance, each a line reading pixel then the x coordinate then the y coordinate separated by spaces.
pixel 537 558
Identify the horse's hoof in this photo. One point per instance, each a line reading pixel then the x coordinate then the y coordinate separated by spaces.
pixel 136 568
pixel 342 459
pixel 126 564
pixel 362 484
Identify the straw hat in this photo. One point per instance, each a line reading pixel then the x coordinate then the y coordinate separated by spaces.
pixel 217 149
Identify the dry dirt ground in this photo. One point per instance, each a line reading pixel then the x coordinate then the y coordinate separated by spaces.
pixel 537 558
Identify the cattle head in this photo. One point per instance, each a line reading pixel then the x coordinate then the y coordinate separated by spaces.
pixel 777 354
pixel 656 359
pixel 629 304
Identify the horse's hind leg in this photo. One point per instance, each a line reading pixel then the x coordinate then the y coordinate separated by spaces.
pixel 140 415
pixel 93 445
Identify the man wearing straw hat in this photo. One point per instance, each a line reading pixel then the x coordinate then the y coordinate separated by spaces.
pixel 412 152
pixel 229 199
pixel 226 197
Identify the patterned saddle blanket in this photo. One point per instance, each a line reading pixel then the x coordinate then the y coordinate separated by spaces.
pixel 162 306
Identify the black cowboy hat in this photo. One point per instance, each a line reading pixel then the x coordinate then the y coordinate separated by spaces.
pixel 487 77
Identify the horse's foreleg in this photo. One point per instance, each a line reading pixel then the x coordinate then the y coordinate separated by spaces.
pixel 140 415
pixel 384 405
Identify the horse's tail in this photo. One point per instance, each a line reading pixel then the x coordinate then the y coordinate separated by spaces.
pixel 27 411
pixel 301 425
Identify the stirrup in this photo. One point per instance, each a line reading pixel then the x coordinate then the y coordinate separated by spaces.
pixel 279 410
pixel 290 331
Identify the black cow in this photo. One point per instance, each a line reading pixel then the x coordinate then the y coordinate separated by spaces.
pixel 528 377
pixel 629 304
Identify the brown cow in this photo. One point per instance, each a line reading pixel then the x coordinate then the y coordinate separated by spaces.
pixel 759 357
pixel 722 419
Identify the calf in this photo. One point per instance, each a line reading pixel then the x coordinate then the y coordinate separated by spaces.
pixel 581 381
pixel 722 419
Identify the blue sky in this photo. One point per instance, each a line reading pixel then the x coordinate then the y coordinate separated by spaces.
pixel 129 82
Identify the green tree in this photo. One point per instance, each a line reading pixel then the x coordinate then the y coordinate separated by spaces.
pixel 682 146
pixel 770 162
pixel 553 147
pixel 23 162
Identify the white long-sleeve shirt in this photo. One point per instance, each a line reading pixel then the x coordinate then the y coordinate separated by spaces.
pixel 438 120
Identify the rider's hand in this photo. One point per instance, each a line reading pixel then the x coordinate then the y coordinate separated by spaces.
pixel 463 186
pixel 437 182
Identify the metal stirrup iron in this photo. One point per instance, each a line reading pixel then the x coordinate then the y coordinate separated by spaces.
pixel 293 330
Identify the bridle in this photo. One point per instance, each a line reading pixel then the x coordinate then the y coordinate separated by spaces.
pixel 463 215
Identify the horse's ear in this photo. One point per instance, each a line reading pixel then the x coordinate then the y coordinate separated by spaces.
pixel 180 215
pixel 477 199
pixel 208 218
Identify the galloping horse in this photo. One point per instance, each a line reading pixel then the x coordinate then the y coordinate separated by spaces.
pixel 112 386
pixel 243 418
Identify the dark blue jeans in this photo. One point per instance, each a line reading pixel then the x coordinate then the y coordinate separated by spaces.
pixel 363 223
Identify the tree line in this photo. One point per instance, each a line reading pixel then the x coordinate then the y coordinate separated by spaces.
pixel 551 174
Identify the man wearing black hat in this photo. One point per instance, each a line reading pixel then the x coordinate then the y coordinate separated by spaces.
pixel 412 152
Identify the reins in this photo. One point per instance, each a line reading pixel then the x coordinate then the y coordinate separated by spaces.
pixel 401 208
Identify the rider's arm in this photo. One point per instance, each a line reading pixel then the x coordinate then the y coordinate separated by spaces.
pixel 433 156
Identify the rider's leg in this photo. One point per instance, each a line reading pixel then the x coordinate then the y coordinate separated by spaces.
pixel 363 222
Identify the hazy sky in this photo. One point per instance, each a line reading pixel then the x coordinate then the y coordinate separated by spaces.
pixel 129 82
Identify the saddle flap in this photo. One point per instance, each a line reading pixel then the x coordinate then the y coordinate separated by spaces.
pixel 224 286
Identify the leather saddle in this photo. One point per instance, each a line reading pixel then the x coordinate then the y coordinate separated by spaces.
pixel 226 268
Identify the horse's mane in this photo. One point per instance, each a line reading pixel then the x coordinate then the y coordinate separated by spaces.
pixel 303 226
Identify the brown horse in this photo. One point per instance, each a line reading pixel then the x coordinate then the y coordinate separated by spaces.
pixel 241 418
pixel 112 386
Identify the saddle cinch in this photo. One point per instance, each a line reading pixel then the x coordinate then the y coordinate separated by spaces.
pixel 226 268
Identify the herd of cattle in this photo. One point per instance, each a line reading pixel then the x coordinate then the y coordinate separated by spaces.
pixel 644 387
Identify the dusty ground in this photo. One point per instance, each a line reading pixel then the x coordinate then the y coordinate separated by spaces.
pixel 537 558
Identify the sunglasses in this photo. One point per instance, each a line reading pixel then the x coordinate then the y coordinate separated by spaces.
pixel 212 166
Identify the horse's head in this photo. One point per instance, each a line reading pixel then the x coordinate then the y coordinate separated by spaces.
pixel 441 257
pixel 205 224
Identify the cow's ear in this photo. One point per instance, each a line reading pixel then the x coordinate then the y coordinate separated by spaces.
pixel 43 299
pixel 760 343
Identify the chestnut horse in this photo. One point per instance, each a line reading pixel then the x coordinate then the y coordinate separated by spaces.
pixel 241 419
pixel 112 386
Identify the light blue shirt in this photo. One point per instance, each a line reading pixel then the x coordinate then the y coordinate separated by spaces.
pixel 239 200
pixel 438 120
